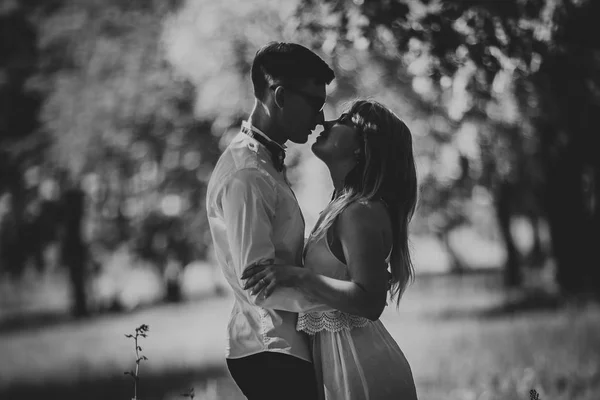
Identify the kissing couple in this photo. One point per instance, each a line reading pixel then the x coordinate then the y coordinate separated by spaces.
pixel 305 319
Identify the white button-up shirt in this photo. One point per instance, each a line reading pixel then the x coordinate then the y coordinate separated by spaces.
pixel 253 217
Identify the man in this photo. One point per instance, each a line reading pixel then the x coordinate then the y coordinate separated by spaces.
pixel 254 217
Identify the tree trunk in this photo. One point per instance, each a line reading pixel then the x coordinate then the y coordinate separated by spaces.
pixel 74 251
pixel 595 228
pixel 569 149
pixel 571 230
pixel 455 267
pixel 512 271
pixel 536 257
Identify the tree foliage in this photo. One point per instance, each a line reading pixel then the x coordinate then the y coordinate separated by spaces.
pixel 105 80
pixel 525 71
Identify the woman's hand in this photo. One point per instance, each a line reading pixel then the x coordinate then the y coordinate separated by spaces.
pixel 268 276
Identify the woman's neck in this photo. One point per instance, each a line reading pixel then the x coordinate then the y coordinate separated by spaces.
pixel 338 176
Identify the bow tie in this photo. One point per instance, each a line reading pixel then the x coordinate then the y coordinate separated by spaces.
pixel 277 153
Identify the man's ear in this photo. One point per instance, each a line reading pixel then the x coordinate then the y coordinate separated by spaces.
pixel 278 96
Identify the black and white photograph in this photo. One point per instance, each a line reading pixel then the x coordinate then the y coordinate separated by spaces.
pixel 299 199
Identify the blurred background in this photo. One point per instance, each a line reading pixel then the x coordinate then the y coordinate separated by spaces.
pixel 113 114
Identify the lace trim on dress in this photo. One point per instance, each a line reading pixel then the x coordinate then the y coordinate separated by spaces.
pixel 331 321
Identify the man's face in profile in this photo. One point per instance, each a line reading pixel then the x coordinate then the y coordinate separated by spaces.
pixel 303 109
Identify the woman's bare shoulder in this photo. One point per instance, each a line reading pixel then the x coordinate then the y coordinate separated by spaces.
pixel 367 213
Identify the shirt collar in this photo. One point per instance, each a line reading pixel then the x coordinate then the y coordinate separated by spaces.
pixel 254 129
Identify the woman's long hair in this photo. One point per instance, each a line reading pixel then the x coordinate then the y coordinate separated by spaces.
pixel 385 170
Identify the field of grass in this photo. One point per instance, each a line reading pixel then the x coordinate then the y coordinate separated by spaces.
pixel 458 346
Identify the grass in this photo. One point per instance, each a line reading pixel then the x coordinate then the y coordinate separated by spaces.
pixel 458 349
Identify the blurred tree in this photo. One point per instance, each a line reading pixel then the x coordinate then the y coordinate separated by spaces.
pixel 219 65
pixel 20 139
pixel 74 252
pixel 530 67
pixel 18 106
pixel 109 92
pixel 213 44
pixel 104 74
pixel 18 110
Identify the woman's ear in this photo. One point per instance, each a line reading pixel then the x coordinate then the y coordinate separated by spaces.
pixel 279 96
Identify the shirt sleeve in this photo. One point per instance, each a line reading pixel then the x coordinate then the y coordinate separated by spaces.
pixel 249 202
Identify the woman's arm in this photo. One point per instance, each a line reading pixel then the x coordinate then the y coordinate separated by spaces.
pixel 346 296
pixel 362 238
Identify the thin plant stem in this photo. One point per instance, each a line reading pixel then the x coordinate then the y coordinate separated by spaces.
pixel 139 332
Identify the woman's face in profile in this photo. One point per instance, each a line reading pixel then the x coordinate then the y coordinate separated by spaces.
pixel 338 142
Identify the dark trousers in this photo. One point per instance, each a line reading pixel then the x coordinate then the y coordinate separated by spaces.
pixel 274 376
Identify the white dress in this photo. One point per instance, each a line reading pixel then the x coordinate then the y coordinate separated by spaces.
pixel 354 358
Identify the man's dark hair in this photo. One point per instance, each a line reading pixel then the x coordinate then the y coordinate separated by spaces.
pixel 279 62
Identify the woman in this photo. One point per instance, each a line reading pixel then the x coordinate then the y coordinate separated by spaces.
pixel 362 232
